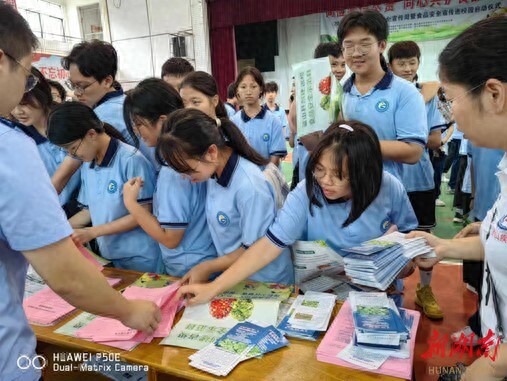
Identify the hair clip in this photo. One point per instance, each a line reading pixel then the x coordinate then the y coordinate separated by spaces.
pixel 347 127
pixel 218 121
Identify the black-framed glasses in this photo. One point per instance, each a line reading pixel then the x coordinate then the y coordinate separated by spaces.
pixel 78 89
pixel 31 80
pixel 363 48
pixel 74 152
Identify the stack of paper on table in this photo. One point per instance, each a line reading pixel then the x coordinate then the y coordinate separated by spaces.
pixel 337 347
pixel 45 307
pixel 203 324
pixel 376 263
pixel 112 332
pixel 242 342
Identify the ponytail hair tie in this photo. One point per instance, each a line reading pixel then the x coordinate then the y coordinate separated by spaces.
pixel 218 121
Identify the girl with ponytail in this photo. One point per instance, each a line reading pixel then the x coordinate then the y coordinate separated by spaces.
pixel 108 163
pixel 240 203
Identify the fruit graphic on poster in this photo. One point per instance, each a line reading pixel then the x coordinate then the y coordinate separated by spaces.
pixel 220 308
pixel 325 89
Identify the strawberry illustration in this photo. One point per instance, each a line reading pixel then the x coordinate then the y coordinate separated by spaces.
pixel 325 85
pixel 221 308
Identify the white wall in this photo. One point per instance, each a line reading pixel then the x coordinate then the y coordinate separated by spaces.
pixel 73 23
pixel 141 31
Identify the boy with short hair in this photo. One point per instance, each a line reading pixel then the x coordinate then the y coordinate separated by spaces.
pixel 404 58
pixel 174 70
pixel 375 96
pixel 271 92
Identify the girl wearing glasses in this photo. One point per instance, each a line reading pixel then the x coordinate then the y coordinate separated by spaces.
pixel 178 222
pixel 109 164
pixel 345 199
pixel 262 130
pixel 240 203
pixel 32 112
pixel 473 74
pixel 373 95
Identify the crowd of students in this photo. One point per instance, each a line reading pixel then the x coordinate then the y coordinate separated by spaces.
pixel 168 178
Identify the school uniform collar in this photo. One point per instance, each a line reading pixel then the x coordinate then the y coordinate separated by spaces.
pixel 383 84
pixel 225 178
pixel 337 201
pixel 108 157
pixel 32 132
pixel 230 104
pixel 260 115
pixel 267 107
pixel 28 130
pixel 110 95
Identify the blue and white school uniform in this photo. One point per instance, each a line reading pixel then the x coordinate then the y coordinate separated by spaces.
pixel 282 116
pixel 30 218
pixel 240 206
pixel 294 221
pixel 393 108
pixel 420 176
pixel 231 110
pixel 486 185
pixel 180 204
pixel 263 132
pixel 52 156
pixel 110 110
pixel 102 194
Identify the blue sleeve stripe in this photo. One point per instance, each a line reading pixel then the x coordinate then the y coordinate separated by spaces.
pixel 145 200
pixel 246 247
pixel 439 127
pixel 174 224
pixel 275 240
pixel 413 140
pixel 278 153
pixel 82 206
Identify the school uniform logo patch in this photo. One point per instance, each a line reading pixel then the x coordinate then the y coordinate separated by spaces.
pixel 385 224
pixel 265 137
pixel 502 223
pixel 223 219
pixel 112 186
pixel 382 105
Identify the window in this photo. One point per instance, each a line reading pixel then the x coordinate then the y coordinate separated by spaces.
pixel 45 18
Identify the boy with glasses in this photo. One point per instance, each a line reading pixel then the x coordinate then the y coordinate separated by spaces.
pixel 373 95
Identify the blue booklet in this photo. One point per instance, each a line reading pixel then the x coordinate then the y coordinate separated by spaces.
pixel 304 334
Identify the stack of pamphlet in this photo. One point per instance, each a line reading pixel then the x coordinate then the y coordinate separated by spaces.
pixel 370 333
pixel 377 263
pixel 244 341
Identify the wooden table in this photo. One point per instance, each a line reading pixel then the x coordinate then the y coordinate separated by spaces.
pixel 295 362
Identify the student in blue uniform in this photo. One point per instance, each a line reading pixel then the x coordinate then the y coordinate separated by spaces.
pixel 32 112
pixel 232 101
pixel 418 179
pixel 373 95
pixel 92 67
pixel 240 203
pixel 33 227
pixel 345 199
pixel 271 105
pixel 262 130
pixel 178 222
pixel 174 71
pixel 199 90
pixel 109 163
